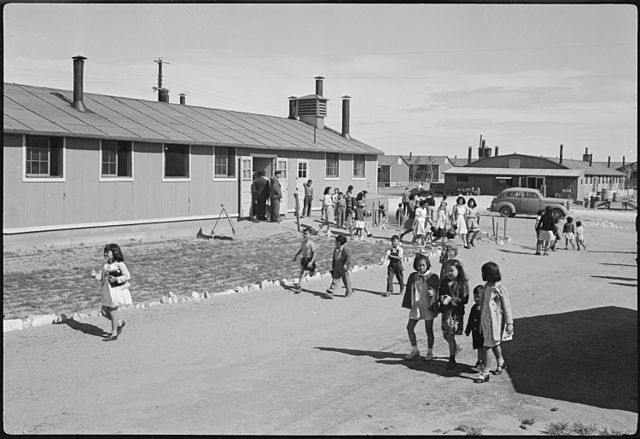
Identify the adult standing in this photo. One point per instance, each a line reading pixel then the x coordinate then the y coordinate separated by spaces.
pixel 308 199
pixel 547 225
pixel 275 194
pixel 254 198
pixel 262 194
pixel 351 206
pixel 405 201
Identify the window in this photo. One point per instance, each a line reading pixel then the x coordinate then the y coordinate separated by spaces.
pixel 462 178
pixel 514 163
pixel 247 164
pixel 176 161
pixel 359 162
pixel 303 169
pixel 44 157
pixel 531 195
pixel 332 168
pixel 116 158
pixel 224 162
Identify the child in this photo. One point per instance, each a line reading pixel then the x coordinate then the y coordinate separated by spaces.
pixel 580 235
pixel 441 222
pixel 411 216
pixel 400 215
pixel 449 250
pixel 473 326
pixel 358 224
pixel 569 231
pixel 350 200
pixel 382 216
pixel 556 233
pixel 459 220
pixel 308 249
pixel 114 288
pixel 496 322
pixel 327 209
pixel 340 267
pixel 419 231
pixel 473 221
pixel 341 209
pixel 421 297
pixel 334 200
pixel 394 255
pixel 537 229
pixel 454 295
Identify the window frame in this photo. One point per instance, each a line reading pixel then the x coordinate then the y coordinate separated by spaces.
pixel 327 177
pixel 306 171
pixel 164 156
pixel 41 178
pixel 103 178
pixel 234 177
pixel 353 167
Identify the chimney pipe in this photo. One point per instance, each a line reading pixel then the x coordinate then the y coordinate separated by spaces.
pixel 345 116
pixel 622 160
pixel 319 85
pixel 164 95
pixel 469 156
pixel 410 155
pixel 585 156
pixel 78 68
pixel 496 151
pixel 609 162
pixel 182 99
pixel 292 107
pixel 560 161
pixel 590 159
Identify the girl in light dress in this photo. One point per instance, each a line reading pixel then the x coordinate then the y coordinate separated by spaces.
pixel 421 298
pixel 459 220
pixel 441 222
pixel 114 277
pixel 473 221
pixel 327 207
pixel 496 319
pixel 419 224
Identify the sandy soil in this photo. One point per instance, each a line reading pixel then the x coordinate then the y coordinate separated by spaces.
pixel 272 362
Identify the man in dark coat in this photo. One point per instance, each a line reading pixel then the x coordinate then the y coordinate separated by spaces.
pixel 254 198
pixel 275 194
pixel 262 193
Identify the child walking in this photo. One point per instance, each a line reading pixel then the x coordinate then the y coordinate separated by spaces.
pixel 421 297
pixel 449 250
pixel 496 319
pixel 382 216
pixel 454 295
pixel 340 267
pixel 569 232
pixel 580 235
pixel 114 277
pixel 308 249
pixel 341 210
pixel 358 224
pixel 400 216
pixel 394 255
pixel 327 209
pixel 473 326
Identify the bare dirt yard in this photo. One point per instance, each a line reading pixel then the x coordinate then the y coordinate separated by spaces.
pixel 274 362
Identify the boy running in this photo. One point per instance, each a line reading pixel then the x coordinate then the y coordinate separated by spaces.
pixel 308 249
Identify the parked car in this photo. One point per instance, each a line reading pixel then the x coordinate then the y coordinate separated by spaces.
pixel 527 201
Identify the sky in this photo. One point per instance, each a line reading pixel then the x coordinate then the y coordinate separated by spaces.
pixel 426 79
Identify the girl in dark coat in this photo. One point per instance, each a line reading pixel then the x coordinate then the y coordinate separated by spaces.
pixel 454 295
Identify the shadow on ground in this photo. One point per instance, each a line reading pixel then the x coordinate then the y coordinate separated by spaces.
pixel 589 357
pixel 436 366
pixel 86 328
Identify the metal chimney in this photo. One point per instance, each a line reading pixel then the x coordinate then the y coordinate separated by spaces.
pixel 496 151
pixel 609 162
pixel 319 85
pixel 164 95
pixel 182 99
pixel 622 160
pixel 590 159
pixel 345 116
pixel 585 156
pixel 561 147
pixel 469 156
pixel 292 107
pixel 78 68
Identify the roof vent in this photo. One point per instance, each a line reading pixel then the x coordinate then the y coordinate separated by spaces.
pixel 312 109
pixel 78 93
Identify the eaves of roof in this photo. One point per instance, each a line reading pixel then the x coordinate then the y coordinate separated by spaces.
pixel 542 172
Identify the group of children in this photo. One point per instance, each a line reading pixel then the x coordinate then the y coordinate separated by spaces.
pixel 548 234
pixel 348 212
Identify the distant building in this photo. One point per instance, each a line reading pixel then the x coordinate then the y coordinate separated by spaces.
pixel 409 170
pixel 80 162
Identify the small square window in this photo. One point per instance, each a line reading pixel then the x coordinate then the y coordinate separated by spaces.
pixel 332 165
pixel 44 156
pixel 116 158
pixel 224 162
pixel 359 162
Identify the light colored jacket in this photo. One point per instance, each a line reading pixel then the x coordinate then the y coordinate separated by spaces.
pixel 499 307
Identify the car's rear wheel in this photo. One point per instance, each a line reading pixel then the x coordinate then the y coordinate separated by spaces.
pixel 506 211
pixel 557 214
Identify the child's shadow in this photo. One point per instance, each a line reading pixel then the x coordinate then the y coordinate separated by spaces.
pixel 86 328
pixel 435 366
pixel 305 290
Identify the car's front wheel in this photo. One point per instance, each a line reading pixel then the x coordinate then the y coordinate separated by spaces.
pixel 506 211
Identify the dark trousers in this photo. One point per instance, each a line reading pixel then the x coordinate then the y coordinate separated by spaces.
pixel 340 211
pixel 405 205
pixel 394 269
pixel 261 208
pixel 336 280
pixel 306 206
pixel 275 210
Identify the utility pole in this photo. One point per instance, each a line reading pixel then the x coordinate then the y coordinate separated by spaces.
pixel 162 92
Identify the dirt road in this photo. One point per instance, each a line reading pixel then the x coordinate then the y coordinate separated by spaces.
pixel 272 362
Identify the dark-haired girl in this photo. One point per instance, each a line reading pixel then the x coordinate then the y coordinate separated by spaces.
pixel 454 295
pixel 114 277
pixel 496 319
pixel 473 221
pixel 421 297
pixel 459 220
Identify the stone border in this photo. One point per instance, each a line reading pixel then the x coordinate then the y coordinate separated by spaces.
pixel 32 321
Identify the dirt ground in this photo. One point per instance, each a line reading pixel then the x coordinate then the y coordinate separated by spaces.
pixel 273 362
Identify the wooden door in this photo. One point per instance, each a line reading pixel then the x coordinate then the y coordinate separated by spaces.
pixel 283 166
pixel 246 167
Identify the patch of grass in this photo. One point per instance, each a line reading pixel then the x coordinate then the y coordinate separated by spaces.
pixel 528 421
pixel 562 428
pixel 470 430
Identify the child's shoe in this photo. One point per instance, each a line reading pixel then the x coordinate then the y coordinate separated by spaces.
pixel 411 355
pixel 429 356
